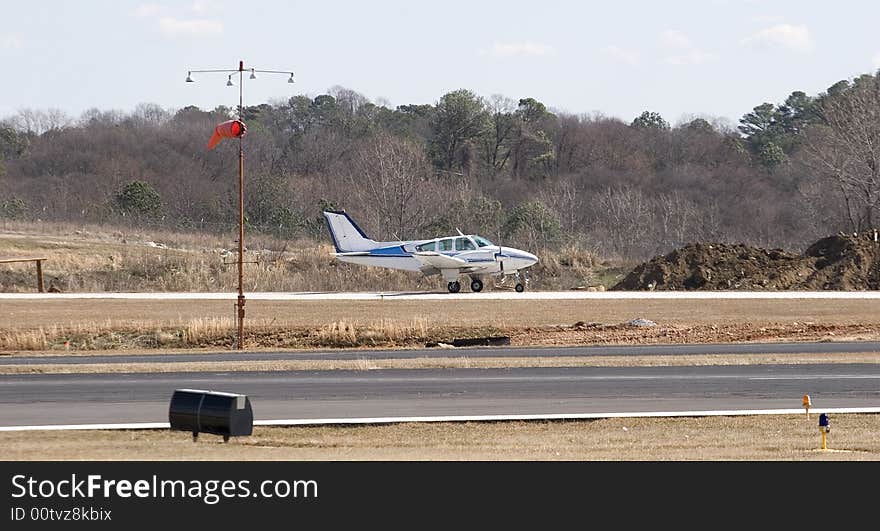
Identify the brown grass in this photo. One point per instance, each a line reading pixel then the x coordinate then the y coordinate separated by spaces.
pixel 384 331
pixel 95 258
pixel 109 324
pixel 214 332
pixel 854 437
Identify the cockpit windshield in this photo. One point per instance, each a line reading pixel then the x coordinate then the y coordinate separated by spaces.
pixel 482 242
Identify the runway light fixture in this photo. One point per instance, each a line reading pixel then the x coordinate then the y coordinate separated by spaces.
pixel 189 78
pixel 824 428
pixel 229 82
pixel 291 78
pixel 253 74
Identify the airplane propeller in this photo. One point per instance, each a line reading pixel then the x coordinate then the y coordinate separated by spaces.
pixel 500 254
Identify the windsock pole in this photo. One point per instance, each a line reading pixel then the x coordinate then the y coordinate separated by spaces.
pixel 240 211
pixel 230 129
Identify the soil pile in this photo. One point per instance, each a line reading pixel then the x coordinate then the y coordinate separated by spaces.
pixel 842 262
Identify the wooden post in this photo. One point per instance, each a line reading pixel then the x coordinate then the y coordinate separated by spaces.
pixel 40 276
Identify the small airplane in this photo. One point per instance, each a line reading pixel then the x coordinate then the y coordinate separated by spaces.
pixel 449 257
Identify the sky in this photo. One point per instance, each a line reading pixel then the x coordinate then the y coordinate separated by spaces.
pixel 681 58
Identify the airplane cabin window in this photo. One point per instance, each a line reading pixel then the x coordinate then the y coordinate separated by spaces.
pixel 445 245
pixel 430 246
pixel 482 242
pixel 464 244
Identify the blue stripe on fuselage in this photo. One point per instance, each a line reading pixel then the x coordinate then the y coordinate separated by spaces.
pixel 513 255
pixel 396 250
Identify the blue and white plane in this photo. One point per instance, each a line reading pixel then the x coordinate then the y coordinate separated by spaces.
pixel 449 257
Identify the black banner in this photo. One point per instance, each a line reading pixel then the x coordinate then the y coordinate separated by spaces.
pixel 115 495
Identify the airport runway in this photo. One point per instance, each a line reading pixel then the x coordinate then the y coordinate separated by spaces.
pixel 130 398
pixel 468 352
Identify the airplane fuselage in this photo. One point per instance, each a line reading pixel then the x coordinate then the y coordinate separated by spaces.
pixel 449 257
pixel 483 260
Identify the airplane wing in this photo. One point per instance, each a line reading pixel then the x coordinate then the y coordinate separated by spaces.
pixel 440 261
pixel 353 253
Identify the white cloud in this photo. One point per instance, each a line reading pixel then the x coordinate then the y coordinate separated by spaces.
pixel 694 56
pixel 767 19
pixel 172 24
pixel 195 27
pixel 621 55
pixel 795 38
pixel 521 49
pixel 148 10
pixel 11 41
pixel 203 6
pixel 737 2
pixel 675 39
pixel 682 51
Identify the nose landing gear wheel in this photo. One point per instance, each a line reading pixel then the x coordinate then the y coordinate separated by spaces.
pixel 476 285
pixel 519 287
pixel 454 287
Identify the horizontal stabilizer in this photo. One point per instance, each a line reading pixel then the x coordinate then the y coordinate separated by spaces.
pixel 440 261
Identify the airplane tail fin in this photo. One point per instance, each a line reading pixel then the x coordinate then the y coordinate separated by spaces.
pixel 347 236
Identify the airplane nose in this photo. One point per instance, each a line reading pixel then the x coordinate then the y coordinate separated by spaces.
pixel 518 258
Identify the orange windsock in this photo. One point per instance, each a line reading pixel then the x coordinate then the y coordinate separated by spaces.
pixel 227 129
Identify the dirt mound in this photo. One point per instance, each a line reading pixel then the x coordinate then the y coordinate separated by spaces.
pixel 842 262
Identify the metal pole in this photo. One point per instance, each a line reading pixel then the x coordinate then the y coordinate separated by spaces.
pixel 240 301
pixel 240 213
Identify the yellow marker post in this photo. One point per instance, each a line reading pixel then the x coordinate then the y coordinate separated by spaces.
pixel 807 405
pixel 824 439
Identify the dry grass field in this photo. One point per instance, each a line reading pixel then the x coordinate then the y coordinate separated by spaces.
pixel 853 437
pixel 94 258
pixel 98 259
pixel 110 324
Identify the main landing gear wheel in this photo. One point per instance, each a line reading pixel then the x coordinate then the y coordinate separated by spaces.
pixel 519 287
pixel 454 287
pixel 476 285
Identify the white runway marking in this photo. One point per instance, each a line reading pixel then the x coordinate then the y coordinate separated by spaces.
pixel 492 295
pixel 820 377
pixel 458 418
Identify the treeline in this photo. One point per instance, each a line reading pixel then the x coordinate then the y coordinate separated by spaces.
pixel 512 170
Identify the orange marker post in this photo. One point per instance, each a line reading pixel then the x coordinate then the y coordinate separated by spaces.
pixel 807 405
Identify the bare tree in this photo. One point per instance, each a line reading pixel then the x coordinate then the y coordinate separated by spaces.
pixel 677 220
pixel 393 177
pixel 150 114
pixel 36 122
pixel 566 201
pixel 349 104
pixel 496 141
pixel 845 148
pixel 623 214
